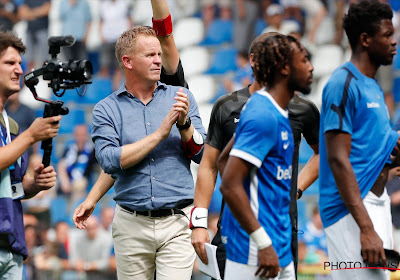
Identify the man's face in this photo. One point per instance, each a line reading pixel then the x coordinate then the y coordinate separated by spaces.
pixel 146 59
pixel 382 46
pixel 10 71
pixel 301 71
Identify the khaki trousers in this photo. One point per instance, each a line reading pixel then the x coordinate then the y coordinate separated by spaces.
pixel 143 244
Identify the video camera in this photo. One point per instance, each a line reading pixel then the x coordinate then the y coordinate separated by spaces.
pixel 62 75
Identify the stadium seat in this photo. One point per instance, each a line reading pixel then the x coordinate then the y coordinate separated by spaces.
pixel 259 26
pixel 59 210
pixel 99 89
pixel 195 60
pixel 202 87
pixel 69 121
pixel 224 60
pixel 218 32
pixel 326 59
pixel 188 32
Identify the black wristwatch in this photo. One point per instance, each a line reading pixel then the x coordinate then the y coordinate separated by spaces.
pixel 299 192
pixel 186 125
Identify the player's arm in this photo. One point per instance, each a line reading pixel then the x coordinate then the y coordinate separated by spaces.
pixel 236 197
pixel 223 157
pixel 338 146
pixel 162 22
pixel 206 178
pixel 309 173
pixel 86 208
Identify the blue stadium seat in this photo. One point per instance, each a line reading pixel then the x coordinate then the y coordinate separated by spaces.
pixel 59 210
pixel 98 90
pixel 218 32
pixel 224 60
pixel 72 119
pixel 259 26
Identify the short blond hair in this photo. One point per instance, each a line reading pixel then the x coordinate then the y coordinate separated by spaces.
pixel 127 41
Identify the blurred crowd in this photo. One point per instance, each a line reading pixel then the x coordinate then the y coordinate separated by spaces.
pixel 56 249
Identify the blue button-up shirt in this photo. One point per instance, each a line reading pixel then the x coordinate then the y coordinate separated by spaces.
pixel 163 178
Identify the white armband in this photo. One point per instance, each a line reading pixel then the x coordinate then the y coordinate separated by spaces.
pixel 261 238
pixel 198 218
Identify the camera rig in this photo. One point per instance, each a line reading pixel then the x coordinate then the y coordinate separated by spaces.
pixel 62 76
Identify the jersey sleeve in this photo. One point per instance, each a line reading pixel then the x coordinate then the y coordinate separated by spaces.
pixel 215 134
pixel 338 105
pixel 311 124
pixel 255 137
pixel 177 79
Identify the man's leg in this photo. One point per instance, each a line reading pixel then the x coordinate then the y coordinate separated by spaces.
pixel 175 254
pixel 134 245
pixel 10 265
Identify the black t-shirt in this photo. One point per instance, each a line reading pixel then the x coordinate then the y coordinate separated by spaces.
pixel 304 120
pixel 177 79
pixel 225 117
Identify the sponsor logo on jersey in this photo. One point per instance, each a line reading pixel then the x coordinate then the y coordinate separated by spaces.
pixel 284 135
pixel 373 105
pixel 284 174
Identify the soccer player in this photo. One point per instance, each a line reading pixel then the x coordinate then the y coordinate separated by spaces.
pixel 304 120
pixel 256 227
pixel 356 142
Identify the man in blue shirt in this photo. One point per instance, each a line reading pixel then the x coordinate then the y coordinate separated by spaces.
pixel 356 143
pixel 256 180
pixel 137 142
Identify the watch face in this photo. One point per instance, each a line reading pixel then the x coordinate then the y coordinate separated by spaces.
pixel 186 125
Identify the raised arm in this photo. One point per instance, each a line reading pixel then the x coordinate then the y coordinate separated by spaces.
pixel 161 18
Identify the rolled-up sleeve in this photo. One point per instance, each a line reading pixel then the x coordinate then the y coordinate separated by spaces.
pixel 106 139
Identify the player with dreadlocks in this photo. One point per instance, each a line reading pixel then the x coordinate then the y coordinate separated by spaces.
pixel 256 227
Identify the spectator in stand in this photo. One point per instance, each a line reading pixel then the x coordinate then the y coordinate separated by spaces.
pixel 106 216
pixel 114 19
pixel 62 230
pixel 276 22
pixel 76 165
pixel 36 13
pixel 21 113
pixel 91 251
pixel 245 13
pixel 243 76
pixel 8 14
pixel 75 19
pixel 39 206
pixel 314 235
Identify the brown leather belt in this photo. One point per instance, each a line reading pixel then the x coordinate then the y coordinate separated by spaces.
pixel 159 213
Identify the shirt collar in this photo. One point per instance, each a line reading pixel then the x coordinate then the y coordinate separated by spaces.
pixel 122 89
pixel 354 70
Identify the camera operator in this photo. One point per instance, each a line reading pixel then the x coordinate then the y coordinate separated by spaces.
pixel 14 185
